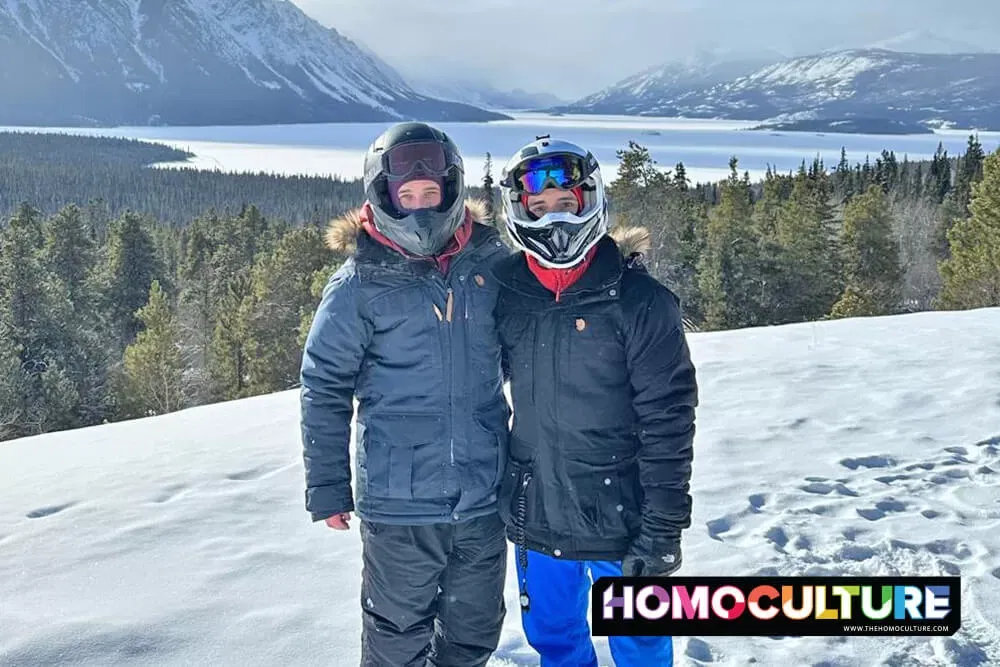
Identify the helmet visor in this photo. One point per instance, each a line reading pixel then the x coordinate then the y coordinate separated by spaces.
pixel 560 171
pixel 420 157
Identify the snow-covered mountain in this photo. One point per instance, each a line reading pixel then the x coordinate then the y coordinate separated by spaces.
pixel 874 84
pixel 481 94
pixel 198 62
pixel 640 92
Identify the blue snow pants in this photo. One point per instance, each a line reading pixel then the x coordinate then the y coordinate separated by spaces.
pixel 557 626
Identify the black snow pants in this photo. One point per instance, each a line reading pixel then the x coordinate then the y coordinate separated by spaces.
pixel 432 596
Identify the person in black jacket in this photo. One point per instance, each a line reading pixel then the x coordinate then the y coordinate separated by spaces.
pixel 604 396
pixel 406 327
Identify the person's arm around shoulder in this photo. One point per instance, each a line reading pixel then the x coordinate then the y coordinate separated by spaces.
pixel 665 397
pixel 333 354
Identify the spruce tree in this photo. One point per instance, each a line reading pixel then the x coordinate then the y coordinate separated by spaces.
pixel 972 274
pixel 488 193
pixel 809 262
pixel 153 380
pixel 231 342
pixel 282 296
pixel 768 254
pixel 35 318
pixel 728 281
pixel 955 207
pixel 871 258
pixel 70 252
pixel 130 266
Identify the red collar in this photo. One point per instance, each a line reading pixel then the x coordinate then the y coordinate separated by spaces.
pixel 443 259
pixel 557 280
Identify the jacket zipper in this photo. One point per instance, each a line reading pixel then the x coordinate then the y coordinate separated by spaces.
pixel 522 549
pixel 451 380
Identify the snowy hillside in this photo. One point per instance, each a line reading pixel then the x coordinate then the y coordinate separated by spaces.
pixel 961 90
pixel 196 62
pixel 848 447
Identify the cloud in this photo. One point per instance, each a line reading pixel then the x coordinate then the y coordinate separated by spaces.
pixel 575 48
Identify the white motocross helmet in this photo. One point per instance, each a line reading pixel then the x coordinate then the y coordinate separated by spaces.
pixel 559 239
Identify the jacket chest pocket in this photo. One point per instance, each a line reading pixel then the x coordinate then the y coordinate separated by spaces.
pixel 593 351
pixel 407 328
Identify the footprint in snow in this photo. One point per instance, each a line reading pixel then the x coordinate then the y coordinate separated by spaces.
pixel 169 493
pixel 757 501
pixel 260 472
pixel 698 649
pixel 875 461
pixel 717 527
pixel 50 510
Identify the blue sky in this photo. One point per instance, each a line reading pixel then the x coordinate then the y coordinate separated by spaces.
pixel 577 47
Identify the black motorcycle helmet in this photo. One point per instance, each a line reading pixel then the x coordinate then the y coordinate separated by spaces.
pixel 408 150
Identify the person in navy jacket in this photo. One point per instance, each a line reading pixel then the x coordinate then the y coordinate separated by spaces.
pixel 406 328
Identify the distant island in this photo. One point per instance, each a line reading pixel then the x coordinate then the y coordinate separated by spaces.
pixel 849 126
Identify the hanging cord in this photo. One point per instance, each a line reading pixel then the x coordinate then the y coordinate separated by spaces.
pixel 522 551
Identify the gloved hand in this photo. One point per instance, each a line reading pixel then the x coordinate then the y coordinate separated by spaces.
pixel 648 557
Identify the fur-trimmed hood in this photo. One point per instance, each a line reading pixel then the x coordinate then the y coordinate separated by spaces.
pixel 632 240
pixel 342 233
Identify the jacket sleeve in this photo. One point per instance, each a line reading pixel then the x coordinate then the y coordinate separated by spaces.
pixel 665 393
pixel 334 350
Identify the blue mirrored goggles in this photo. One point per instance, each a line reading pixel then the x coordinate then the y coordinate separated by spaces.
pixel 561 171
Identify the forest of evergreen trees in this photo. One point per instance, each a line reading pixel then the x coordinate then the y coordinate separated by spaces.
pixel 132 291
pixel 108 176
pixel 877 238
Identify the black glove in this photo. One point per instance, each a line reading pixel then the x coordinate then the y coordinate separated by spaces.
pixel 648 557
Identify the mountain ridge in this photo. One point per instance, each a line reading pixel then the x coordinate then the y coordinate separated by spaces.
pixel 933 90
pixel 195 62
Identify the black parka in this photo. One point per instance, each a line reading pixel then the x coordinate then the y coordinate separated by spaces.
pixel 604 396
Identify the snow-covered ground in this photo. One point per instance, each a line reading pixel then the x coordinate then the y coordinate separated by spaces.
pixel 704 146
pixel 850 447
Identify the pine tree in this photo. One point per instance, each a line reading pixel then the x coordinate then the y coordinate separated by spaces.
pixel 768 255
pixel 488 193
pixel 153 375
pixel 70 252
pixel 956 204
pixel 972 274
pixel 871 252
pixel 197 300
pixel 282 296
pixel 728 281
pixel 34 318
pixel 129 269
pixel 231 342
pixel 809 266
pixel 940 175
pixel 681 180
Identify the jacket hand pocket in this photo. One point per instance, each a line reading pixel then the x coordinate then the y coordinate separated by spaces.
pixel 407 457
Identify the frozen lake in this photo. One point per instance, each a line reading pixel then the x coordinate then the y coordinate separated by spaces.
pixel 704 146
